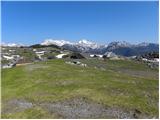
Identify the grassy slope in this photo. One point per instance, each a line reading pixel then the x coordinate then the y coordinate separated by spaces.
pixel 55 80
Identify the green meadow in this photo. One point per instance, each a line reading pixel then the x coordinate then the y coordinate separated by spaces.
pixel 123 84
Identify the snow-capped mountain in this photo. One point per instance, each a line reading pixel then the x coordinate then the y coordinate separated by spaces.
pixel 82 46
pixel 143 44
pixel 82 43
pixel 86 43
pixel 126 49
pixel 55 42
pixel 118 44
pixel 85 46
pixel 118 47
pixel 11 44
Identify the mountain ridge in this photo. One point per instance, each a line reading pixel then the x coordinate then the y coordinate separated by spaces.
pixel 118 47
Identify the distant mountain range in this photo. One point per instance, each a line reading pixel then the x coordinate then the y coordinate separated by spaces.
pixel 81 43
pixel 11 44
pixel 131 50
pixel 120 48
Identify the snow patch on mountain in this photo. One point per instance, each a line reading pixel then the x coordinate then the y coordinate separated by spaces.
pixel 55 42
pixel 81 44
pixel 143 44
pixel 11 44
pixel 118 44
pixel 86 43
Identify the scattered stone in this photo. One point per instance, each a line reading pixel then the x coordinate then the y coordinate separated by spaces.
pixel 81 108
pixel 76 63
pixel 75 108
pixel 15 105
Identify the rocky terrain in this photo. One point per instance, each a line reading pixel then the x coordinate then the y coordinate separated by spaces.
pixel 52 49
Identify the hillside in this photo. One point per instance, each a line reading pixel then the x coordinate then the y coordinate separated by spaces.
pixel 102 89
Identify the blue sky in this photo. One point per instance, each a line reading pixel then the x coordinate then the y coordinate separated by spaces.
pixel 100 22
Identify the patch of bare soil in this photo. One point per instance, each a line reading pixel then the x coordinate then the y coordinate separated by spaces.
pixel 32 67
pixel 78 108
pixel 75 108
pixel 15 105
